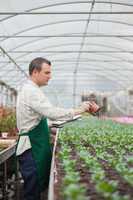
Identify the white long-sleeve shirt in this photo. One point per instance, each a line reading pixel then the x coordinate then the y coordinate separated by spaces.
pixel 32 105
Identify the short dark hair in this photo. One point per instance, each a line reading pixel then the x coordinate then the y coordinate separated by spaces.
pixel 37 64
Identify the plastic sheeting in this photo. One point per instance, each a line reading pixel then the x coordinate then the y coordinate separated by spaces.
pixel 90 44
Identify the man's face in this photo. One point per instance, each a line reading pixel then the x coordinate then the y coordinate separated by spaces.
pixel 44 75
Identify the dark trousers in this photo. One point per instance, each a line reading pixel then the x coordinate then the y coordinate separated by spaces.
pixel 29 174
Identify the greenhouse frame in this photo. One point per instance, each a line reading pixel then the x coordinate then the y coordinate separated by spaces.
pixel 90 47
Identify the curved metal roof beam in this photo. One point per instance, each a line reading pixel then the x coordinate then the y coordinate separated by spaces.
pixel 74 44
pixel 120 83
pixel 66 3
pixel 59 68
pixel 88 44
pixel 66 21
pixel 12 70
pixel 62 65
pixel 109 56
pixel 16 82
pixel 12 76
pixel 112 79
pixel 97 71
pixel 101 45
pixel 12 60
pixel 113 72
pixel 101 73
pixel 109 46
pixel 51 54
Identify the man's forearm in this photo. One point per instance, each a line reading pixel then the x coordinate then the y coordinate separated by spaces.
pixel 78 111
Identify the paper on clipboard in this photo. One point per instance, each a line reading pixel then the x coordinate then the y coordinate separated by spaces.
pixel 61 123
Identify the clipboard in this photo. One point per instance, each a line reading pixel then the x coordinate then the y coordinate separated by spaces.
pixel 60 124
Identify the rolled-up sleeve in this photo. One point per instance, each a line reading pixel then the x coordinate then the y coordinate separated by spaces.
pixel 40 104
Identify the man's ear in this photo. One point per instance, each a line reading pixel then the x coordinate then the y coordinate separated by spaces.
pixel 35 71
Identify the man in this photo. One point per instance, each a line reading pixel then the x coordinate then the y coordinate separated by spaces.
pixel 33 109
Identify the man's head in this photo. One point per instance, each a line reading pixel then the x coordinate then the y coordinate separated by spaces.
pixel 40 71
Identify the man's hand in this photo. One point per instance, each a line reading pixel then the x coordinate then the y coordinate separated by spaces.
pixel 93 107
pixel 87 106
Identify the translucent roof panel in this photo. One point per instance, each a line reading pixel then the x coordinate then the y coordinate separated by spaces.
pixel 90 44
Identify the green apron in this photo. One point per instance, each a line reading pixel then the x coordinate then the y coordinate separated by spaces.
pixel 41 150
